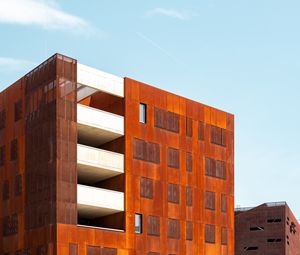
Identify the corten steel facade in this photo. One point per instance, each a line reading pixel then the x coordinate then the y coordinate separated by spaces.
pixel 270 228
pixel 93 164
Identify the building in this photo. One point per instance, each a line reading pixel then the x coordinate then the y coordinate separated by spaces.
pixel 268 229
pixel 91 163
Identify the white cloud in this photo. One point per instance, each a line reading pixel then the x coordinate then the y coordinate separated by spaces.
pixel 13 64
pixel 172 13
pixel 43 13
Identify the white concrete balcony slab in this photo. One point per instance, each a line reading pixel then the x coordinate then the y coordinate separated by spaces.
pixel 89 78
pixel 95 202
pixel 95 165
pixel 96 127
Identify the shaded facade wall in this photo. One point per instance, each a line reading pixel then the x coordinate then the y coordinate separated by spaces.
pixel 268 228
pixel 41 165
pixel 292 231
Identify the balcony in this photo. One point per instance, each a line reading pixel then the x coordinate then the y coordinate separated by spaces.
pixel 90 80
pixel 96 127
pixel 95 202
pixel 94 165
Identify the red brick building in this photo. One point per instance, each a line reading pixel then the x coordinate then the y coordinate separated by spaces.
pixel 270 228
pixel 91 163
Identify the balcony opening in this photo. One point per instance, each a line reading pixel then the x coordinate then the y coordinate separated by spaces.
pixel 251 248
pixel 274 220
pixel 116 183
pixel 274 240
pixel 110 222
pixel 257 228
pixel 105 102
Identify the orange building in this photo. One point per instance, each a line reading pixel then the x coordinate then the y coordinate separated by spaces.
pixel 91 163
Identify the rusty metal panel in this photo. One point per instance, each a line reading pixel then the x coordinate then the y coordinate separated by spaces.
pixel 224 236
pixel 210 233
pixel 18 185
pixel 189 230
pixel 201 130
pixel 189 162
pixel 146 151
pixel 173 229
pixel 189 127
pixel 173 193
pixel 153 225
pixel 223 203
pixel 189 196
pixel 173 158
pixel 146 187
pixel 166 120
pixel 210 200
pixel 73 249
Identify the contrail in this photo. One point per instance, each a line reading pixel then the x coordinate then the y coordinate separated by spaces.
pixel 154 44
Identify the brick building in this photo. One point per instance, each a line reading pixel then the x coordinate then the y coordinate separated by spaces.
pixel 268 229
pixel 91 163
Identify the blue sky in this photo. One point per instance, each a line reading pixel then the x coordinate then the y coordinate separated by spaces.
pixel 242 56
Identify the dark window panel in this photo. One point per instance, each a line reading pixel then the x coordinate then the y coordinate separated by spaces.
pixel 189 127
pixel 5 190
pixel 14 150
pixel 2 155
pixel 73 249
pixel 173 229
pixel 189 196
pixel 224 137
pixel 22 252
pixel 18 110
pixel 189 230
pixel 10 225
pixel 166 120
pixel 223 203
pixel 210 200
pixel 215 168
pixel 153 226
pixel 173 122
pixel 210 233
pixel 93 250
pixel 146 188
pixel 201 130
pixel 220 169
pixel 146 151
pixel 18 185
pixel 218 136
pixel 189 162
pixel 2 119
pixel 108 251
pixel 42 250
pixel 210 167
pixel 173 158
pixel 173 193
pixel 138 149
pixel 224 236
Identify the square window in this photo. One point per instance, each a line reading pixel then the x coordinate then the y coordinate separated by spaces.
pixel 138 223
pixel 143 113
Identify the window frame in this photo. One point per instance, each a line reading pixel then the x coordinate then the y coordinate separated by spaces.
pixel 143 109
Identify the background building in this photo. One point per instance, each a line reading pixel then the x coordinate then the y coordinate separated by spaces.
pixel 270 228
pixel 92 164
